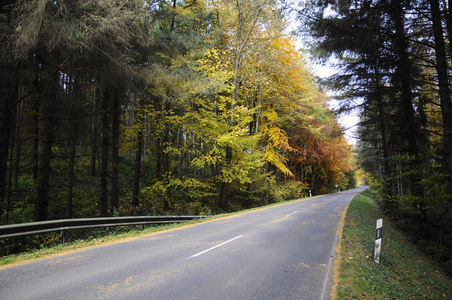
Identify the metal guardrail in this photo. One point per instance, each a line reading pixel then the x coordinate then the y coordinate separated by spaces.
pixel 24 229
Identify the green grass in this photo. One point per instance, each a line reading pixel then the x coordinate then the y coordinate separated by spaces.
pixel 403 271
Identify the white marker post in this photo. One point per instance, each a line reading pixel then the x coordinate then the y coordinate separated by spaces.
pixel 378 236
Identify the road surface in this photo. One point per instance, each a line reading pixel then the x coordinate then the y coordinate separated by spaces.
pixel 281 252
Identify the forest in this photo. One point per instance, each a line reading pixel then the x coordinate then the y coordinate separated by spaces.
pixel 148 107
pixel 394 62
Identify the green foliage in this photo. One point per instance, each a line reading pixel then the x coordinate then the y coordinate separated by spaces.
pixel 216 113
pixel 20 203
pixel 177 190
pixel 28 243
pixel 432 204
pixel 272 191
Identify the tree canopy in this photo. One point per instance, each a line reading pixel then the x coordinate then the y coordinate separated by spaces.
pixel 158 107
pixel 394 59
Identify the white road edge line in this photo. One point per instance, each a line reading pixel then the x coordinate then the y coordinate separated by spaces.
pixel 291 214
pixel 314 204
pixel 329 266
pixel 219 245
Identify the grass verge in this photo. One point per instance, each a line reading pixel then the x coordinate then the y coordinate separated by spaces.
pixel 403 271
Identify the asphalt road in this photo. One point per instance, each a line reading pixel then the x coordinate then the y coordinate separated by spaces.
pixel 282 252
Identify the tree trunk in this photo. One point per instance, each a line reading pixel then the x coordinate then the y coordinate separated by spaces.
pixel 404 80
pixel 97 109
pixel 382 128
pixel 173 18
pixel 448 12
pixel 224 191
pixel 70 172
pixel 94 142
pixel 115 151
pixel 6 96
pixel 94 147
pixel 166 157
pixel 411 128
pixel 18 143
pixel 137 166
pixel 35 125
pixel 443 81
pixel 240 45
pixel 103 200
pixel 137 169
pixel 166 171
pixel 49 100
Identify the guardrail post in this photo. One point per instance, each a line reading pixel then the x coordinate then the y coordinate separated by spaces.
pixel 63 238
pixel 378 238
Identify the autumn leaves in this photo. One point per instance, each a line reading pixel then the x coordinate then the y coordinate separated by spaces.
pixel 242 106
pixel 169 106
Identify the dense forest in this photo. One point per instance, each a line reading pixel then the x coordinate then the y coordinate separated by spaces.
pixel 140 107
pixel 394 62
